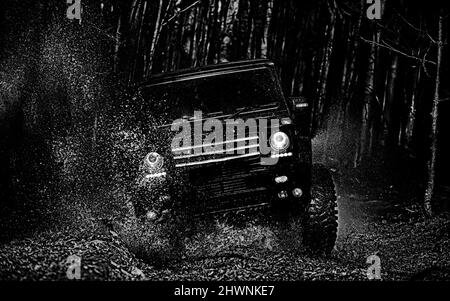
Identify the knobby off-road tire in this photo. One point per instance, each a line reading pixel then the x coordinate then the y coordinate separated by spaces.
pixel 156 241
pixel 320 221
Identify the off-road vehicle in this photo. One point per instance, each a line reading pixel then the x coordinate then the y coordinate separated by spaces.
pixel 184 169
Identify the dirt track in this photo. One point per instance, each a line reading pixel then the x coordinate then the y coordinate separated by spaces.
pixel 408 246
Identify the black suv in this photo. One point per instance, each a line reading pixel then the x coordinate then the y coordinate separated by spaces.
pixel 222 139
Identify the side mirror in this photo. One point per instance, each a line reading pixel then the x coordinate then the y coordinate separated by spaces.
pixel 302 114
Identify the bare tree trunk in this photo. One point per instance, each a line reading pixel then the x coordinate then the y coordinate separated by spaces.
pixel 354 52
pixel 155 39
pixel 389 129
pixel 241 32
pixel 118 42
pixel 326 66
pixel 323 84
pixel 412 108
pixel 139 21
pixel 323 68
pixel 366 110
pixel 434 129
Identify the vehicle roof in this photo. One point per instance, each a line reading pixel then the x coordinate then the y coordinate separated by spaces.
pixel 206 71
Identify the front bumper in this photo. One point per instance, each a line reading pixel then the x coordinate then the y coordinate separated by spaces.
pixel 238 185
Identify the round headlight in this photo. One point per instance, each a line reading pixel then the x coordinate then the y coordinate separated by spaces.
pixel 279 141
pixel 153 161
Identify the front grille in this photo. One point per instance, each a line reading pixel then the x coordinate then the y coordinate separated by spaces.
pixel 228 177
pixel 227 186
pixel 224 181
pixel 227 150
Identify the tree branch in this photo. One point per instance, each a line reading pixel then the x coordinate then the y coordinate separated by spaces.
pixel 424 59
pixel 431 38
pixel 398 51
pixel 94 26
pixel 178 13
pixel 410 24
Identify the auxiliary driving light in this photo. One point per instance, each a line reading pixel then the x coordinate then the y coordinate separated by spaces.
pixel 281 179
pixel 155 175
pixel 153 161
pixel 279 141
pixel 297 192
pixel 282 194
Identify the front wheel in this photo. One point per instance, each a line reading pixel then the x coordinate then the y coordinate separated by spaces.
pixel 320 222
pixel 152 233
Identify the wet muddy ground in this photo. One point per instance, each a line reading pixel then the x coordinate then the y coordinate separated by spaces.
pixel 371 222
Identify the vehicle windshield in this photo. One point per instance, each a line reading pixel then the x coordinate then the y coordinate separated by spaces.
pixel 226 93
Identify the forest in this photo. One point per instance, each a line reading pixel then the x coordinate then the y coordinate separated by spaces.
pixel 376 87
